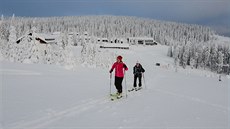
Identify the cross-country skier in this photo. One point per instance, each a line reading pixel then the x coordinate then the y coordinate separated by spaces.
pixel 119 67
pixel 137 71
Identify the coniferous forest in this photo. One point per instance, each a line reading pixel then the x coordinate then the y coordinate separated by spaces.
pixel 190 45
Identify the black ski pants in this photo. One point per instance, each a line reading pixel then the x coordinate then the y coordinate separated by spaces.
pixel 135 80
pixel 118 84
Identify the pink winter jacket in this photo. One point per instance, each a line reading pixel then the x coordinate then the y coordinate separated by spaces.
pixel 119 72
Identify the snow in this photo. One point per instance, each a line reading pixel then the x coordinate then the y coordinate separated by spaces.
pixel 222 39
pixel 228 76
pixel 1 56
pixel 115 45
pixel 38 96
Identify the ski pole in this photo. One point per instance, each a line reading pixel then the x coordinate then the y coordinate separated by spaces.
pixel 144 81
pixel 110 84
pixel 125 86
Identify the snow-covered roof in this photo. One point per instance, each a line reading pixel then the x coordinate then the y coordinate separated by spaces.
pixel 47 38
pixel 20 37
pixel 141 38
pixel 103 38
pixel 36 35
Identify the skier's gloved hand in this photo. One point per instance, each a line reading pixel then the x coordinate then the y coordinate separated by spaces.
pixel 111 71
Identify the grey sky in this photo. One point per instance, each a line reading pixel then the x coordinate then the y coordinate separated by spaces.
pixel 214 13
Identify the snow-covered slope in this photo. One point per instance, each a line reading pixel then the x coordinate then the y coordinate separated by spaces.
pixel 36 96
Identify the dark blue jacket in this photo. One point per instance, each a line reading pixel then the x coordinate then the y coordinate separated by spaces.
pixel 138 70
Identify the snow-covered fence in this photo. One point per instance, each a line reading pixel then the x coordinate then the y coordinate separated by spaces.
pixel 115 45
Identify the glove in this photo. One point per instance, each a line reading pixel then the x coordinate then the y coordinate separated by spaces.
pixel 111 71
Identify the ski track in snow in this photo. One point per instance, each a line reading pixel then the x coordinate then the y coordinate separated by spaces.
pixel 18 72
pixel 85 105
pixel 54 116
pixel 223 108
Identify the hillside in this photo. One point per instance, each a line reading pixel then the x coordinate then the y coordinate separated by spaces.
pixel 38 96
pixel 106 26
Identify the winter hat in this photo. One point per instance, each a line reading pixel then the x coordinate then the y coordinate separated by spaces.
pixel 119 57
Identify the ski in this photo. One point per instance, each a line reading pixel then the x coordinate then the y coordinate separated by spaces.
pixel 134 89
pixel 115 97
pixel 131 90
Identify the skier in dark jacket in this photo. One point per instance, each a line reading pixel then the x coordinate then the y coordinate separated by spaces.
pixel 137 71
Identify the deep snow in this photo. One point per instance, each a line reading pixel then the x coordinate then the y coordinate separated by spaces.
pixel 36 96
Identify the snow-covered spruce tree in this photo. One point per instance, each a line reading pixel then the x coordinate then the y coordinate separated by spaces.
pixel 180 54
pixel 88 54
pixel 56 52
pixel 11 44
pixel 34 58
pixel 1 40
pixel 185 56
pixel 176 57
pixel 196 58
pixel 84 52
pixel 170 51
pixel 92 57
pixel 75 39
pixel 38 52
pixel 213 58
pixel 23 51
pixel 4 32
pixel 65 39
pixel 225 49
pixel 70 61
pixel 49 55
pixel 206 56
pixel 220 62
pixel 92 52
pixel 228 71
pixel 17 53
pixel 104 60
pixel 52 54
pixel 192 62
pixel 199 56
pixel 1 49
pixel 59 50
pixel 60 54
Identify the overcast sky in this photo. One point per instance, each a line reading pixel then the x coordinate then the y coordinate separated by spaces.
pixel 214 13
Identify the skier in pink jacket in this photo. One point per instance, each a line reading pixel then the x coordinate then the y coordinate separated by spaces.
pixel 119 67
